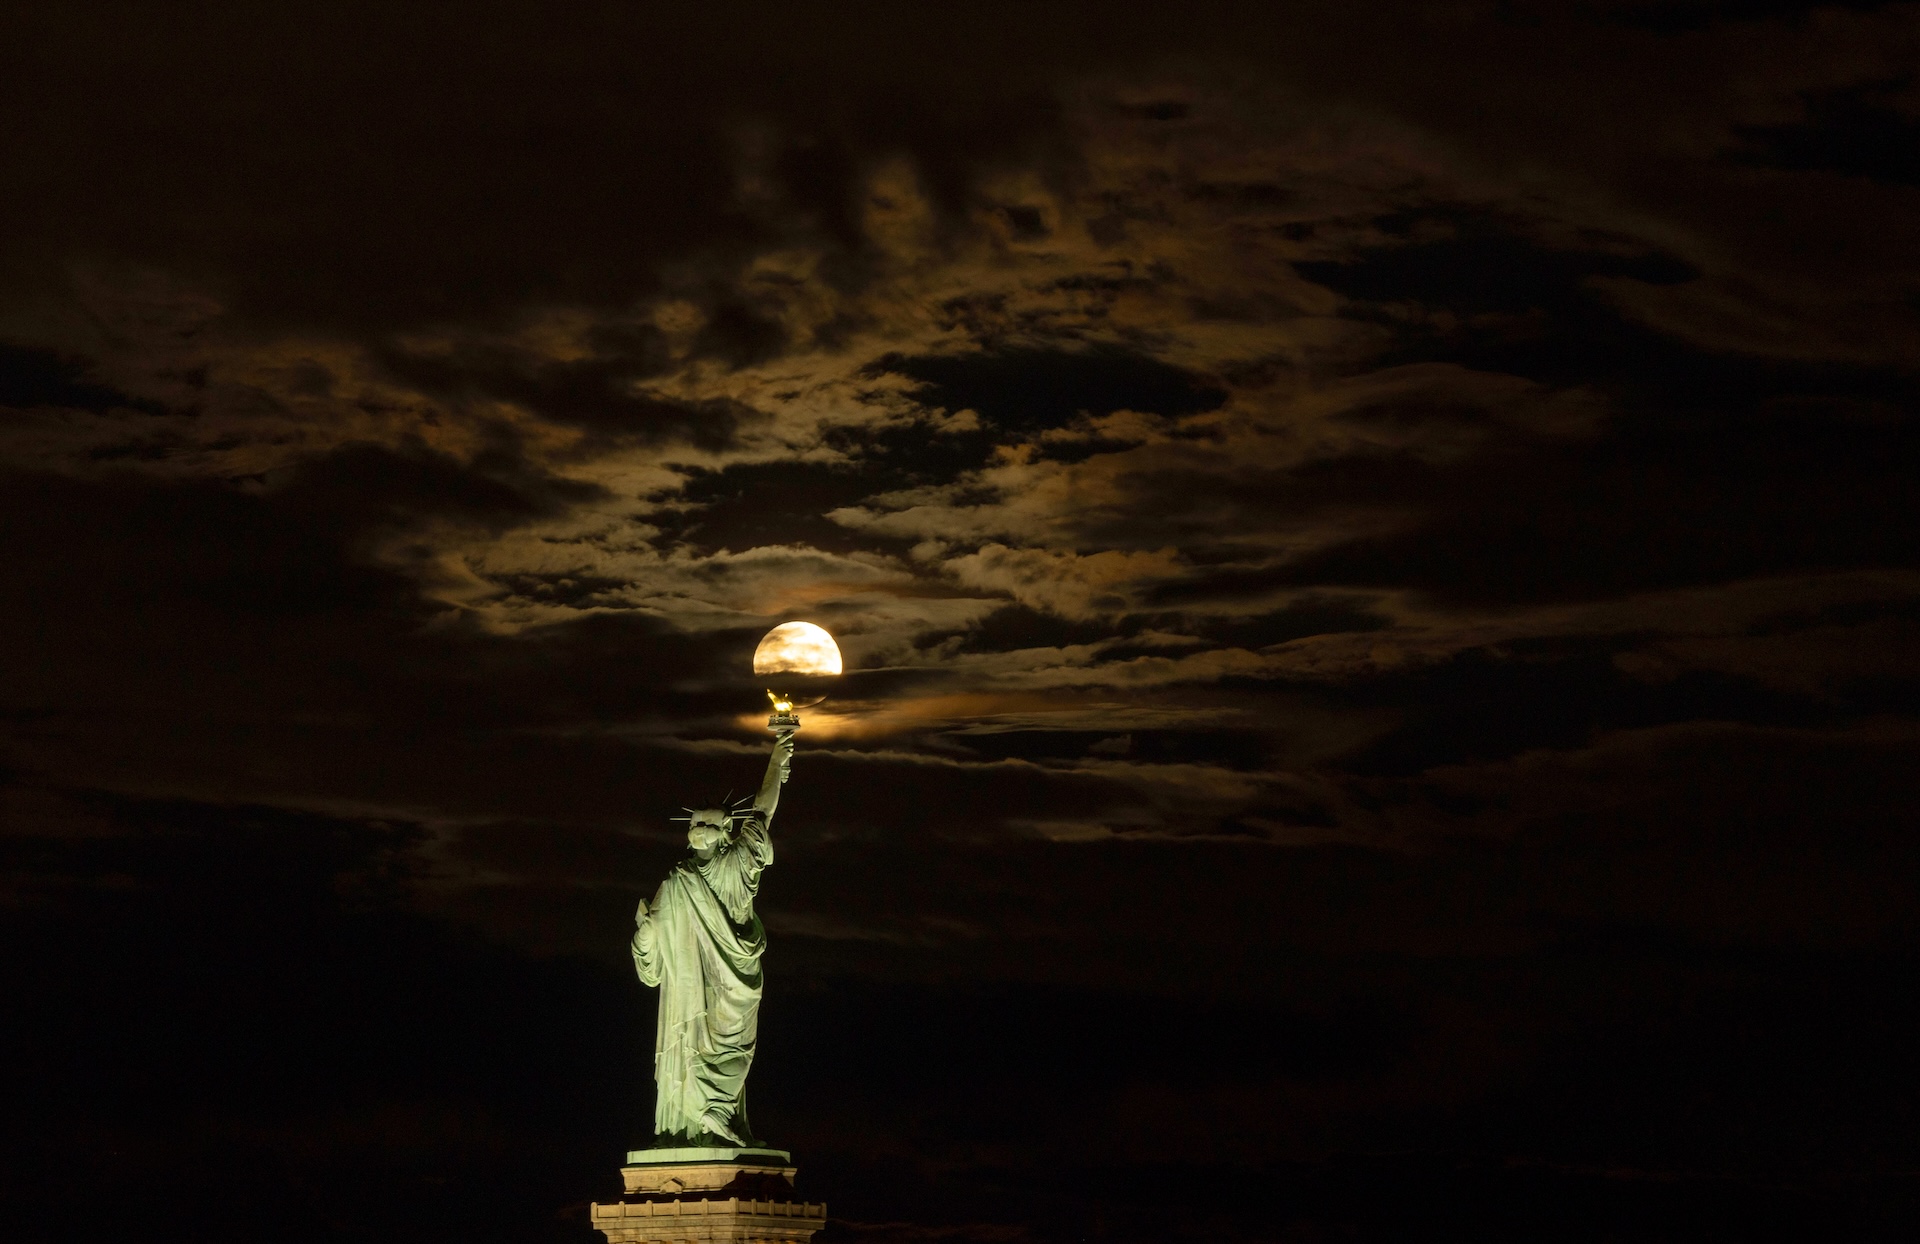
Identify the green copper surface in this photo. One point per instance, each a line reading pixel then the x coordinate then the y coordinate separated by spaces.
pixel 700 941
pixel 681 1157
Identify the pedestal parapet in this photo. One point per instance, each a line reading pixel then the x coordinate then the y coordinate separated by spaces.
pixel 708 1196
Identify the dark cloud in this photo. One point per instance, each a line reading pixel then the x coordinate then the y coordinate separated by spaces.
pixel 304 541
pixel 750 504
pixel 1674 16
pixel 739 336
pixel 361 486
pixel 920 452
pixel 1016 626
pixel 1027 390
pixel 357 164
pixel 598 394
pixel 367 168
pixel 1696 500
pixel 99 551
pixel 1489 705
pixel 1491 297
pixel 1473 264
pixel 31 378
pixel 1855 131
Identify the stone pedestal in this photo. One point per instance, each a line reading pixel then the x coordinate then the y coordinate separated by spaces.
pixel 708 1196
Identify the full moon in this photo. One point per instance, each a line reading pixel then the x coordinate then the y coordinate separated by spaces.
pixel 797 648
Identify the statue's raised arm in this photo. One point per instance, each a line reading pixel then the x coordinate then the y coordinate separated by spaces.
pixel 779 768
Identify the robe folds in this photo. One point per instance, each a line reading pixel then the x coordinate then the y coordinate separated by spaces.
pixel 701 943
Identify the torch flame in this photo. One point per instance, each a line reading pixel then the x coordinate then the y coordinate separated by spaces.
pixel 780 704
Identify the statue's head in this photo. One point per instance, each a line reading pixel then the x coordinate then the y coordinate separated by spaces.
pixel 706 828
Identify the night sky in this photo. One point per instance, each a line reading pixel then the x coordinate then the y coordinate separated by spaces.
pixel 1377 550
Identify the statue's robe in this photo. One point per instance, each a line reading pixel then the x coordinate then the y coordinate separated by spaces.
pixel 701 944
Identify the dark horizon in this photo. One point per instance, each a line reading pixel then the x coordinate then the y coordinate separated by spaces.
pixel 1376 549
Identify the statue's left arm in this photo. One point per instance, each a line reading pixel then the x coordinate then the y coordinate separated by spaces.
pixel 645 944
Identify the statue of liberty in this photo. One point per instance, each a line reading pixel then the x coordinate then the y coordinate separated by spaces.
pixel 700 941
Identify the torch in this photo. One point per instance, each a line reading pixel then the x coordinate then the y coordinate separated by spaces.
pixel 783 716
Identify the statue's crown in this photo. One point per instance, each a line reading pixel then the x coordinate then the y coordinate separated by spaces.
pixel 720 811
